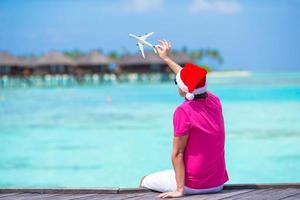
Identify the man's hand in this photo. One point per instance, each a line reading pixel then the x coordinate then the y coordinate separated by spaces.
pixel 170 194
pixel 163 49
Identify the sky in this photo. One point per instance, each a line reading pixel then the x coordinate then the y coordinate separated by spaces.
pixel 250 34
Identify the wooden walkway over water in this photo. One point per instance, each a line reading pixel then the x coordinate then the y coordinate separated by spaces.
pixel 233 191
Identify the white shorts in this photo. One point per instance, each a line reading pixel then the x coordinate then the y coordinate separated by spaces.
pixel 165 181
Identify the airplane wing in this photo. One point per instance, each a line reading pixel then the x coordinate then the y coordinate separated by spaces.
pixel 141 49
pixel 144 37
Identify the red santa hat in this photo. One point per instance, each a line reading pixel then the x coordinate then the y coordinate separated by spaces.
pixel 192 80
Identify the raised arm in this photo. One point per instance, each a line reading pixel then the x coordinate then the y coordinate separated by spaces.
pixel 164 49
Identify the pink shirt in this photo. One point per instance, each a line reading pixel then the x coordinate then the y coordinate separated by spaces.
pixel 202 120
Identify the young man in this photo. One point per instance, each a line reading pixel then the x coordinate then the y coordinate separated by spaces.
pixel 199 137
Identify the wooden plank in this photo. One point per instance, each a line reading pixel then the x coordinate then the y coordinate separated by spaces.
pixel 277 194
pixel 286 193
pixel 219 195
pixel 62 190
pixel 255 194
pixel 44 196
pixel 76 196
pixel 148 196
pixel 19 196
pixel 92 196
pixel 133 190
pixel 64 196
pixel 227 194
pixel 103 196
pixel 261 186
pixel 122 196
pixel 35 196
pixel 144 196
pixel 72 196
pixel 141 195
pixel 99 197
pixel 294 197
pixel 7 194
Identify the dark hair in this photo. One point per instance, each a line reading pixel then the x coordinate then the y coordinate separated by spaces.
pixel 200 96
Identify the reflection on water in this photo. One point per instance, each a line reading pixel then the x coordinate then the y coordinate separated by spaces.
pixel 74 137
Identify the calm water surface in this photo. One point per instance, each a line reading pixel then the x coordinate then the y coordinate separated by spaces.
pixel 75 137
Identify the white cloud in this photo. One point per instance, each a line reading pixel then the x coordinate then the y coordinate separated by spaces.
pixel 215 6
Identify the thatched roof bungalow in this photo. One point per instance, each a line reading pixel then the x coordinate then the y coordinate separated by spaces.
pixel 54 63
pixel 152 63
pixel 28 65
pixel 92 63
pixel 9 65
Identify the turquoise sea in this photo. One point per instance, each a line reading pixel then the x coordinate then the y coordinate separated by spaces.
pixel 113 134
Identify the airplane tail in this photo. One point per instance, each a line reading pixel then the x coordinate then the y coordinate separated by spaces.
pixel 132 35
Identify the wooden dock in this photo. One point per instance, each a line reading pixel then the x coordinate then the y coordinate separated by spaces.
pixel 231 191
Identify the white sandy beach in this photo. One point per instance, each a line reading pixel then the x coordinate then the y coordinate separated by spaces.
pixel 235 73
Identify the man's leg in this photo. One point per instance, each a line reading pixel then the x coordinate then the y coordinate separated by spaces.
pixel 163 181
pixel 142 181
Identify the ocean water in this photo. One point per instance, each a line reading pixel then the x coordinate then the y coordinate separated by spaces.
pixel 113 134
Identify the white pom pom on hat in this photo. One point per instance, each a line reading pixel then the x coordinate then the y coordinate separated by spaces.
pixel 189 96
pixel 192 80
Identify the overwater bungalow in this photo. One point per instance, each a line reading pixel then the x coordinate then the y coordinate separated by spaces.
pixel 28 65
pixel 9 65
pixel 92 63
pixel 56 69
pixel 152 63
pixel 54 63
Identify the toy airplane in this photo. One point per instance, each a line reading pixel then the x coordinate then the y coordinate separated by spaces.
pixel 142 41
